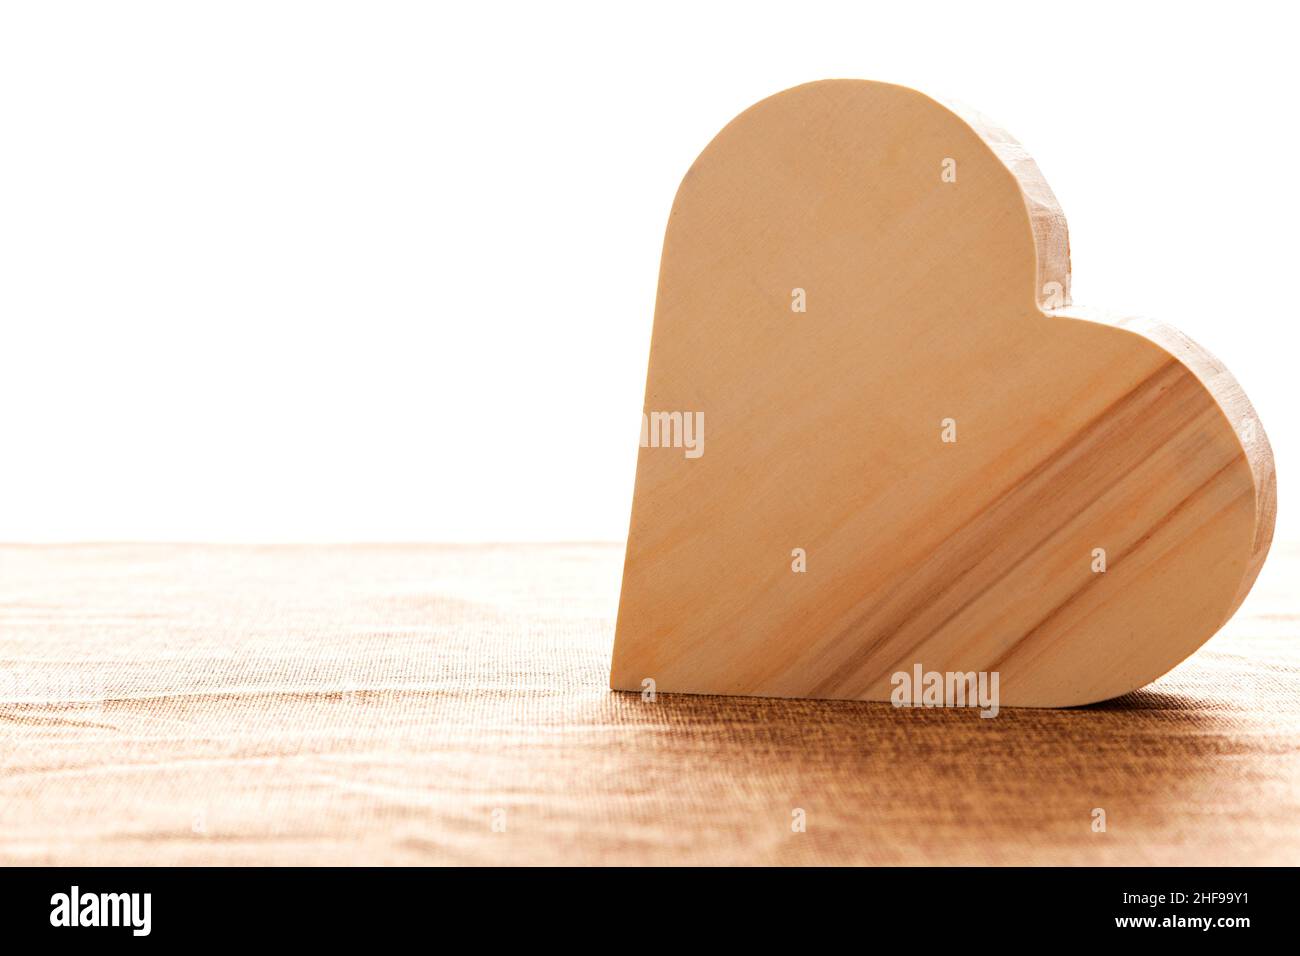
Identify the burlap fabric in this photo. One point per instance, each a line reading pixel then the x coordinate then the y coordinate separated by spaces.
pixel 179 704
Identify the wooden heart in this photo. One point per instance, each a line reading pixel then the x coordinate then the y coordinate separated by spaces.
pixel 877 437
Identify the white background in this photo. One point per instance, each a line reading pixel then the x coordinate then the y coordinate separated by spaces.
pixel 315 271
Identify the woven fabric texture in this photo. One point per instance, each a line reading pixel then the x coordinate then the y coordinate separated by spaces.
pixel 194 704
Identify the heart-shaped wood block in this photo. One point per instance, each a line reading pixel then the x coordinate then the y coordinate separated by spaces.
pixel 876 436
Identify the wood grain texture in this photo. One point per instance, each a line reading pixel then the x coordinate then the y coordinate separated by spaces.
pixel 934 263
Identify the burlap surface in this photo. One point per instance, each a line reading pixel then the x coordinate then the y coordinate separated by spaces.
pixel 185 704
